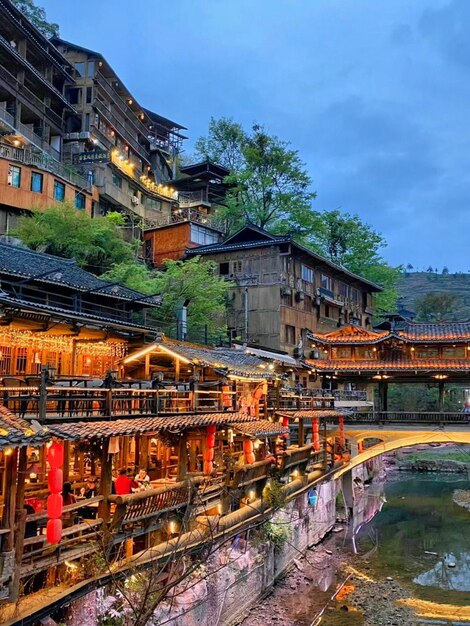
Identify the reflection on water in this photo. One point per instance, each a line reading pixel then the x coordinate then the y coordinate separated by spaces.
pixel 450 572
pixel 420 535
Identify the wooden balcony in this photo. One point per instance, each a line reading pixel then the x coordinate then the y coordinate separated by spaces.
pixel 296 458
pixel 249 474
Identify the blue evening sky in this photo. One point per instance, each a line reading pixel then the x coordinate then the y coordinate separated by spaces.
pixel 375 95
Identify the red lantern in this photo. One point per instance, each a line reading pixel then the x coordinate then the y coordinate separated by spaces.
pixel 248 447
pixel 210 441
pixel 316 435
pixel 207 467
pixel 342 440
pixel 55 455
pixel 55 504
pixel 211 429
pixel 209 455
pixel 54 530
pixel 55 480
pixel 226 397
pixel 250 458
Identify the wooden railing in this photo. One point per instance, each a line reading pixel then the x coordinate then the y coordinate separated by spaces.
pixel 407 417
pixel 297 458
pixel 82 401
pixel 150 504
pixel 78 539
pixel 249 474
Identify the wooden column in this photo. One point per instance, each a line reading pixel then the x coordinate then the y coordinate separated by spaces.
pixel 383 396
pixel 265 392
pixel 325 446
pixel 182 457
pixel 20 522
pixel 301 432
pixel 10 486
pixel 147 366
pixel 441 397
pixel 177 370
pixel 106 481
pixel 144 452
pixel 66 468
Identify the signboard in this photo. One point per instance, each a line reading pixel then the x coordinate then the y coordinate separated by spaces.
pixel 97 156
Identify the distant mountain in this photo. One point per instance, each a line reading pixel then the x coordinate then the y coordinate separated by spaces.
pixel 415 285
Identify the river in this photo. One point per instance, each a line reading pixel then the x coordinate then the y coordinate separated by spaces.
pixel 405 561
pixel 409 529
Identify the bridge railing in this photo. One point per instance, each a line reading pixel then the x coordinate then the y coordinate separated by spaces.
pixel 407 417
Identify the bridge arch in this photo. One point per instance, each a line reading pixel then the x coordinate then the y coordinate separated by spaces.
pixel 394 440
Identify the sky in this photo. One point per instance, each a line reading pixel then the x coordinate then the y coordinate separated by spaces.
pixel 374 94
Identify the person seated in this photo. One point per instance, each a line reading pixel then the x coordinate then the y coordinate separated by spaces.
pixel 88 512
pixel 142 479
pixel 123 484
pixel 68 517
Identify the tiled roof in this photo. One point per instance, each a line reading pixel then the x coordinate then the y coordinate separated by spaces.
pixel 310 413
pixel 413 332
pixel 439 331
pixel 37 307
pixel 399 365
pixel 121 427
pixel 251 236
pixel 351 335
pixel 230 360
pixel 46 268
pixel 260 428
pixel 16 432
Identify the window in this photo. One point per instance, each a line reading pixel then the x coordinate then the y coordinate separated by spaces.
pixel 307 274
pixel 237 267
pixel 327 310
pixel 36 182
pixel 203 236
pixel 59 191
pixel 87 122
pixel 427 353
pixel 80 200
pixel 224 269
pixel 89 95
pixel 308 304
pixel 73 95
pixel 91 69
pixel 80 69
pixel 341 353
pixel 456 352
pixel 289 334
pixel 153 203
pixel 14 176
pixel 326 282
pixel 362 352
pixel 117 181
pixel 342 289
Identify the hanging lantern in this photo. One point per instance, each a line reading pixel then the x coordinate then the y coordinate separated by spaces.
pixel 316 434
pixel 55 505
pixel 55 455
pixel 209 455
pixel 211 429
pixel 54 530
pixel 342 439
pixel 55 480
pixel 226 397
pixel 207 469
pixel 210 441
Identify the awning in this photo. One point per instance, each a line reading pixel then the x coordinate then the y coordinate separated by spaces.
pixel 274 356
pixel 312 413
pixel 260 428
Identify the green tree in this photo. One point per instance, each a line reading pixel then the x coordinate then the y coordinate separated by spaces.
pixel 349 242
pixel 37 16
pixel 96 244
pixel 194 281
pixel 436 307
pixel 270 186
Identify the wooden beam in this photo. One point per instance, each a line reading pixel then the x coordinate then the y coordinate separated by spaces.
pixel 20 523
pixel 182 457
pixel 106 481
pixel 10 485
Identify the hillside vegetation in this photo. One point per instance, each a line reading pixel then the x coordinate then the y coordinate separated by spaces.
pixel 414 286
